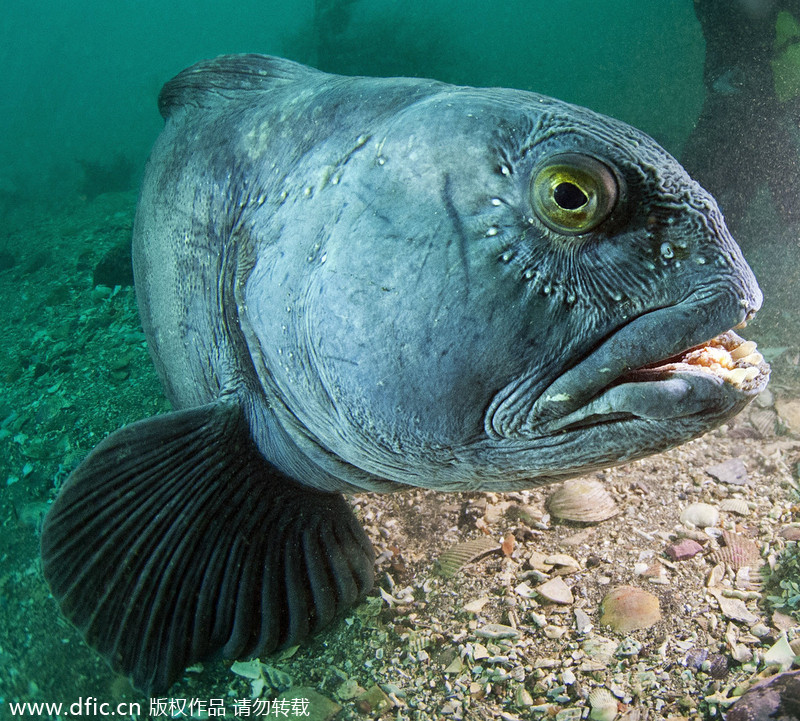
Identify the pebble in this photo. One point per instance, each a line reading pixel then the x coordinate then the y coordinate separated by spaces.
pixel 700 515
pixel 497 630
pixel 732 471
pixel 320 708
pixel 479 651
pixel 733 608
pixel 773 698
pixel 684 549
pixel 789 412
pixel 373 701
pixel 780 654
pixel 582 621
pixel 600 649
pixel 557 591
pixel 477 605
pixel 554 632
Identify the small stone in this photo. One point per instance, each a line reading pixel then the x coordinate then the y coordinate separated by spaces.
pixel 733 608
pixel 320 708
pixel 790 533
pixel 477 605
pixel 349 689
pixel 479 651
pixel 582 621
pixel 556 591
pixel 248 669
pixel 373 701
pixel 522 697
pixel 784 622
pixel 684 549
pixel 497 630
pixel 600 649
pixel 627 608
pixel 699 515
pixel 554 632
pixel 537 562
pixel 773 698
pixel 780 654
pixel 563 564
pixel 732 471
pixel 789 412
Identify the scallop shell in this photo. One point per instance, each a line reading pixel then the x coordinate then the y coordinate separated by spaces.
pixel 735 505
pixel 583 500
pixel 737 552
pixel 764 420
pixel 604 705
pixel 451 561
pixel 628 608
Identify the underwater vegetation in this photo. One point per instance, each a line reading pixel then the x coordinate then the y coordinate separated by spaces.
pixel 783 583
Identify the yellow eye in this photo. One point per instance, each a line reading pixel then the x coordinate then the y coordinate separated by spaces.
pixel 573 193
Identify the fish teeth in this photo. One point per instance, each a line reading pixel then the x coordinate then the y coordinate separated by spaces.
pixel 744 350
pixel 753 359
pixel 738 375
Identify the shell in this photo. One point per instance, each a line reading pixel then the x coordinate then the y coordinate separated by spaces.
pixel 700 515
pixel 764 420
pixel 737 552
pixel 628 608
pixel 583 500
pixel 604 705
pixel 735 505
pixel 789 412
pixel 452 560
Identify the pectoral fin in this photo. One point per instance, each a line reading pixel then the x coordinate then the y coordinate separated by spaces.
pixel 175 541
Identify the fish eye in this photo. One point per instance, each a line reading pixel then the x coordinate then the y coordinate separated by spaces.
pixel 573 193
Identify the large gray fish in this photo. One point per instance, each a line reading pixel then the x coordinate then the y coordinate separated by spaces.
pixel 367 284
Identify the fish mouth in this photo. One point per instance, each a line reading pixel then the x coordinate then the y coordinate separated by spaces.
pixel 669 364
pixel 716 378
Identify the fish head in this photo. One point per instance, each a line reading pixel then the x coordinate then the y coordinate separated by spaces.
pixel 497 290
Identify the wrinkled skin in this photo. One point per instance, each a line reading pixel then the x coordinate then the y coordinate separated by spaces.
pixel 362 269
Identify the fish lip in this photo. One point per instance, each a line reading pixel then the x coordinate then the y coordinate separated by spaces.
pixel 655 366
pixel 713 378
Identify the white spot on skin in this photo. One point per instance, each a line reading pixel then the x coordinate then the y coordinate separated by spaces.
pixel 496 201
pixel 558 398
pixel 492 231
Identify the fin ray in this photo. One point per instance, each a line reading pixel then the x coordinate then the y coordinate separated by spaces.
pixel 175 541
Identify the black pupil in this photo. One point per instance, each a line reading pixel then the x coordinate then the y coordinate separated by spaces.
pixel 569 196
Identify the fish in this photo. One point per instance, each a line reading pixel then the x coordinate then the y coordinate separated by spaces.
pixel 356 284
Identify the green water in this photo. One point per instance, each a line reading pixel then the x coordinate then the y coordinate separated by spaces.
pixel 78 85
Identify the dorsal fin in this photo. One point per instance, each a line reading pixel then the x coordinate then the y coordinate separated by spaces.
pixel 208 79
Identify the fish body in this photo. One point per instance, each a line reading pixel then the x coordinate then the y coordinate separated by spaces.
pixel 368 284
